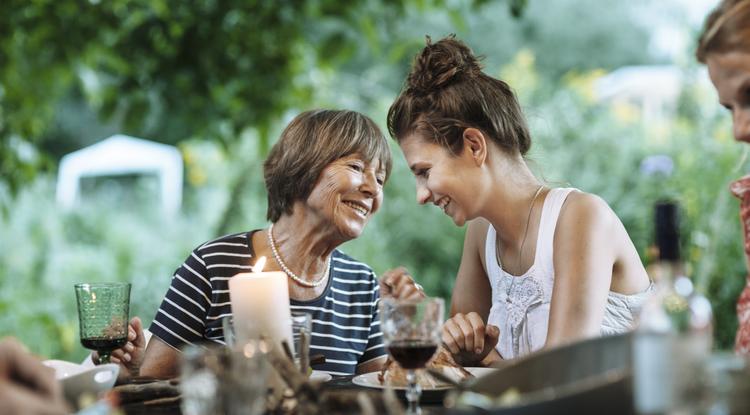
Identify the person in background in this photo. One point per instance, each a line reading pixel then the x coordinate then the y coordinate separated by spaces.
pixel 540 266
pixel 724 46
pixel 26 385
pixel 325 179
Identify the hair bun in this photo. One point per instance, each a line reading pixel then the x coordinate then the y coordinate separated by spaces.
pixel 439 64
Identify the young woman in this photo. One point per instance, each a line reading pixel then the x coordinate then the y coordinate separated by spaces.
pixel 725 47
pixel 540 266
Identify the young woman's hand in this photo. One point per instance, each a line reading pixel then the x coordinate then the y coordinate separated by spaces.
pixel 399 284
pixel 129 356
pixel 468 339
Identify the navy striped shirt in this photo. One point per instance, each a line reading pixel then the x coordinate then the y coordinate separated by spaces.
pixel 345 322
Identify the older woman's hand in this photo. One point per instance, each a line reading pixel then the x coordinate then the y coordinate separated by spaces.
pixel 26 385
pixel 399 284
pixel 468 339
pixel 130 356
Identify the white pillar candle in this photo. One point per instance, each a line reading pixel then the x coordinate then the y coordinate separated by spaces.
pixel 260 305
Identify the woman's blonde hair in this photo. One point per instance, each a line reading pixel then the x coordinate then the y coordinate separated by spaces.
pixel 726 29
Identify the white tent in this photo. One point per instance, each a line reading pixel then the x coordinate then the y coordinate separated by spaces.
pixel 653 89
pixel 118 155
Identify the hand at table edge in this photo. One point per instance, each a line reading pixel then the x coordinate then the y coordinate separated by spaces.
pixel 129 356
pixel 469 340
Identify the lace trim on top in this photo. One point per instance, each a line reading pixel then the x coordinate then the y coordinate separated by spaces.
pixel 520 304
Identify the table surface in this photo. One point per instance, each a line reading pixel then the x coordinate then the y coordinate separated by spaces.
pixel 431 402
pixel 163 397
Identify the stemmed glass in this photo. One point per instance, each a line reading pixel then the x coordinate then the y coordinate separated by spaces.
pixel 411 333
pixel 103 316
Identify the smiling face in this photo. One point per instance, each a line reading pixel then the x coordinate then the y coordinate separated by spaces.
pixel 348 192
pixel 443 179
pixel 730 74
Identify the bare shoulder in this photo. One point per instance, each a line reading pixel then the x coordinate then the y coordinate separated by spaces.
pixel 584 211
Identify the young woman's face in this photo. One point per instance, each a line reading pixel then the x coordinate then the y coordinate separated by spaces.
pixel 348 192
pixel 730 74
pixel 442 178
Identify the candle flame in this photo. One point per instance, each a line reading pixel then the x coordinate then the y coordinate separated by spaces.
pixel 259 264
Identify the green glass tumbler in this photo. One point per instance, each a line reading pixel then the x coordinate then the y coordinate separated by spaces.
pixel 103 316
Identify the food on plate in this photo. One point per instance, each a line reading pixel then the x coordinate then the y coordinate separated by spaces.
pixel 393 375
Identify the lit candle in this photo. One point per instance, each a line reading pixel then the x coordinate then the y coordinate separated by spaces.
pixel 260 304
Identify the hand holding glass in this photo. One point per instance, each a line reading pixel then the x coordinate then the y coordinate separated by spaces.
pixel 103 316
pixel 411 333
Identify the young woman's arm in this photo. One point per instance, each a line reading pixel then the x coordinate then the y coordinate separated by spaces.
pixel 585 246
pixel 465 334
pixel 472 291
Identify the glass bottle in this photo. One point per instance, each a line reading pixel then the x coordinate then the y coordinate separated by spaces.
pixel 673 339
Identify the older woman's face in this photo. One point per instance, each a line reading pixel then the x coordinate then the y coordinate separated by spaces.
pixel 348 192
pixel 730 74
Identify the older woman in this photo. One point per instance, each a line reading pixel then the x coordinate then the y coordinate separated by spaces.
pixel 725 47
pixel 325 180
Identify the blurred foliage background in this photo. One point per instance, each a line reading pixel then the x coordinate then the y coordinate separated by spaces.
pixel 219 79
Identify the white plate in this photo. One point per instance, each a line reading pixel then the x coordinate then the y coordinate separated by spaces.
pixel 78 379
pixel 320 376
pixel 370 380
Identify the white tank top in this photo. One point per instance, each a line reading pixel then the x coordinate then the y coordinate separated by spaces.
pixel 521 304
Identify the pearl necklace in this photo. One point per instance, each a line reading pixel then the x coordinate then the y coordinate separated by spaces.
pixel 289 272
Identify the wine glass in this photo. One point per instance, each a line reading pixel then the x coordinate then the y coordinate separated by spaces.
pixel 411 333
pixel 103 316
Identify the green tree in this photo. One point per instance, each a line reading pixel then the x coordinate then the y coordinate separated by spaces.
pixel 171 70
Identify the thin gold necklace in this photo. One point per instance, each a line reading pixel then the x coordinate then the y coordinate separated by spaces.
pixel 289 272
pixel 525 234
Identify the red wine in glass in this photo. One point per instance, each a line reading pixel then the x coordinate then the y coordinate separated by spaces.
pixel 411 333
pixel 104 344
pixel 412 354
